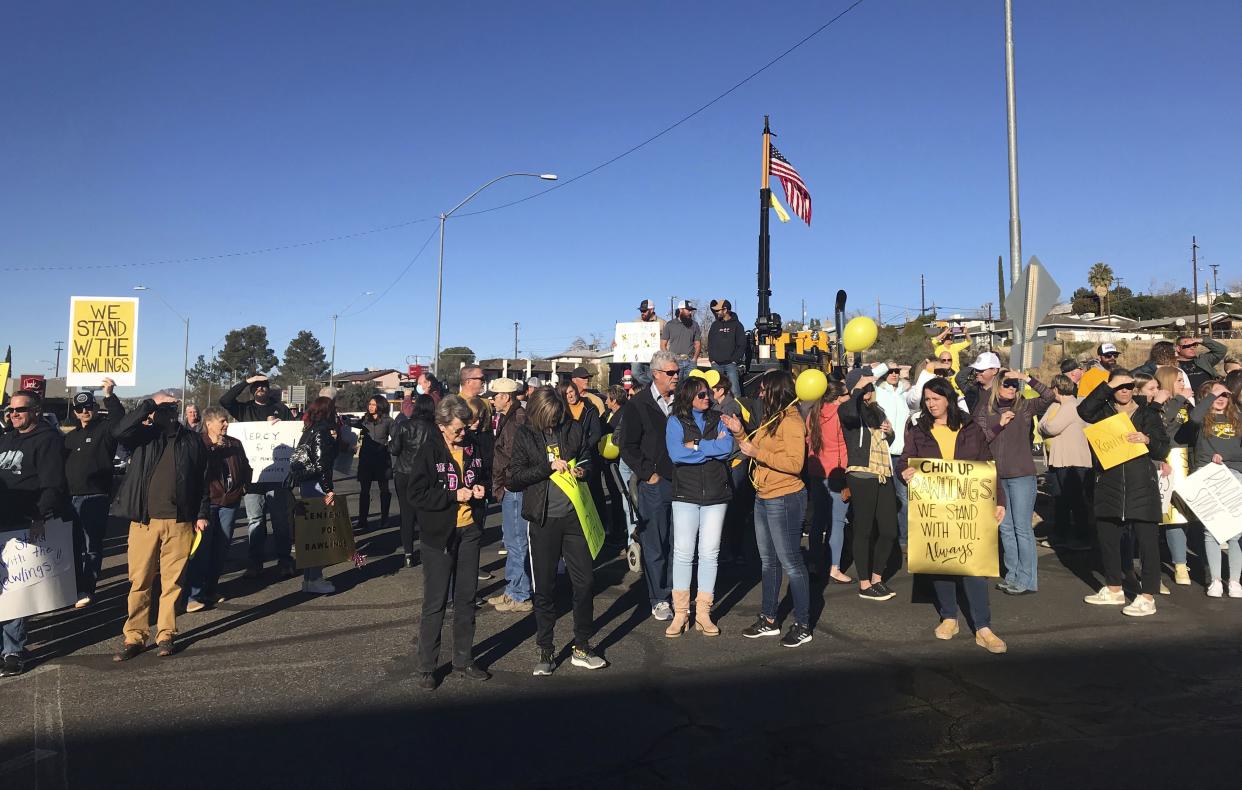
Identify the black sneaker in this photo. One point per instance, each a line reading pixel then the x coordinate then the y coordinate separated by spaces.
pixel 470 672
pixel 427 681
pixel 409 560
pixel 884 588
pixel 797 635
pixel 545 665
pixel 129 650
pixel 876 592
pixel 12 666
pixel 762 627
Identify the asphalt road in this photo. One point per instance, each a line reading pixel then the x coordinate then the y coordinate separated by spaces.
pixel 274 688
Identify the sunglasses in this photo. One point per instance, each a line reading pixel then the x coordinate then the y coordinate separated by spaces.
pixel 1128 386
pixel 20 409
pixel 670 373
pixel 1192 345
pixel 703 395
pixel 1112 355
pixel 80 409
pixel 1011 383
pixel 1222 395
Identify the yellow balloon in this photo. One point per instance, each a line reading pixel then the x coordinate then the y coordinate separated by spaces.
pixel 608 449
pixel 811 384
pixel 860 334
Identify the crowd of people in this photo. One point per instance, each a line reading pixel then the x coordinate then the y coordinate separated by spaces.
pixel 678 465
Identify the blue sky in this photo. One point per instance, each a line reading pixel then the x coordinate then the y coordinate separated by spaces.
pixel 138 132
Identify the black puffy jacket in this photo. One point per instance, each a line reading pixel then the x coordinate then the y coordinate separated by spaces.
pixel 147 443
pixel 322 445
pixel 434 483
pixel 1128 491
pixel 530 469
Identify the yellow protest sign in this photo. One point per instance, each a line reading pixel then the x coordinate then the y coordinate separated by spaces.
pixel 322 533
pixel 103 340
pixel 4 381
pixel 584 505
pixel 952 518
pixel 1108 440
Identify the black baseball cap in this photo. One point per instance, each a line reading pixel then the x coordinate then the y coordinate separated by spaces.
pixel 580 373
pixel 1068 365
pixel 84 400
pixel 644 306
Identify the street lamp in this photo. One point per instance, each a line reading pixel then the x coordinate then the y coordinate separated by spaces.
pixel 185 367
pixel 435 361
pixel 332 372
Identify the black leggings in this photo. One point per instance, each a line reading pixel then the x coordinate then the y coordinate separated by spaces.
pixel 1108 533
pixel 369 472
pixel 561 537
pixel 402 483
pixel 875 519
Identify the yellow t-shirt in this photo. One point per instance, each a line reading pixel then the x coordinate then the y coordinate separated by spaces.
pixel 946 437
pixel 464 516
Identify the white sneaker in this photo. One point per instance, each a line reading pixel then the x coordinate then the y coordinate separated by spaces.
pixel 662 611
pixel 1141 606
pixel 1235 589
pixel 1106 597
pixel 1215 590
pixel 318 586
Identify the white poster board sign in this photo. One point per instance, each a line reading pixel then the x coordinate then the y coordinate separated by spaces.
pixel 268 446
pixel 1214 495
pixel 37 576
pixel 636 341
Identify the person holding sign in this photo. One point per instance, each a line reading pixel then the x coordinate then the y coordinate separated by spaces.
pixel 89 450
pixel 311 466
pixel 449 487
pixel 1008 419
pixel 552 441
pixel 1127 494
pixel 699 449
pixel 1219 442
pixel 32 490
pixel 1172 395
pixel 942 430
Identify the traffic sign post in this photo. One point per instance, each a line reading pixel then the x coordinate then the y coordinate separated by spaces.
pixel 1033 295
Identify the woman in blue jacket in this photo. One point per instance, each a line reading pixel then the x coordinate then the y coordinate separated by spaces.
pixel 699 449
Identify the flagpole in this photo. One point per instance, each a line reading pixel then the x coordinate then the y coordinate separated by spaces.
pixel 765 200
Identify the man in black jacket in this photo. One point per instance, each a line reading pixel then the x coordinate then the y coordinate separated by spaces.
pixel 726 343
pixel 509 417
pixel 645 453
pixel 32 490
pixel 89 451
pixel 165 498
pixel 263 499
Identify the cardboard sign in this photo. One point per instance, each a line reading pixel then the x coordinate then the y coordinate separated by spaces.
pixel 268 447
pixel 103 340
pixel 1214 495
pixel 37 576
pixel 952 518
pixel 1179 466
pixel 584 506
pixel 1108 440
pixel 636 341
pixel 322 534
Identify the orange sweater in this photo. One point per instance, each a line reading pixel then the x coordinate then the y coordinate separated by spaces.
pixel 779 457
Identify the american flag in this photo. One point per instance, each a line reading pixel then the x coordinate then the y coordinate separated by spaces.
pixel 796 194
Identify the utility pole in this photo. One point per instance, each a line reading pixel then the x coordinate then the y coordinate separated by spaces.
pixel 922 296
pixel 878 321
pixel 515 339
pixel 1011 123
pixel 60 346
pixel 671 312
pixel 1194 271
pixel 1212 295
pixel 988 305
pixel 804 314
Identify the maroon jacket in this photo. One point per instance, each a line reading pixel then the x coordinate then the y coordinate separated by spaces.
pixel 972 445
pixel 228 470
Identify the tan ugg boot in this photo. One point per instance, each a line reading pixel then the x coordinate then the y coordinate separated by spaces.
pixel 703 615
pixel 681 614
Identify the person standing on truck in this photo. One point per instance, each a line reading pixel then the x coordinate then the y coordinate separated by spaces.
pixel 726 343
pixel 682 338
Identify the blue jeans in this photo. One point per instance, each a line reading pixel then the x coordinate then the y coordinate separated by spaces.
pixel 699 525
pixel 729 371
pixel 684 366
pixel 203 571
pixel 976 589
pixel 631 518
pixel 14 637
pixel 89 528
pixel 827 516
pixel 1017 534
pixel 513 527
pixel 654 504
pixel 310 490
pixel 1211 550
pixel 270 500
pixel 1175 536
pixel 903 504
pixel 778 531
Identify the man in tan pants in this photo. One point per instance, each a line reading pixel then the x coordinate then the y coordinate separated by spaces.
pixel 165 498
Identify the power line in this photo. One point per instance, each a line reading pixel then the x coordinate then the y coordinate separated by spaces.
pixel 558 185
pixel 391 285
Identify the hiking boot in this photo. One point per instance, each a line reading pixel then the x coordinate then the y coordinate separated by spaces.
pixel 427 681
pixel 471 672
pixel 518 607
pixel 587 659
pixel 762 627
pixel 497 600
pixel 128 650
pixel 545 664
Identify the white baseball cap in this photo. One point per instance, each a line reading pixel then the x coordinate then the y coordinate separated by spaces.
pixel 1106 348
pixel 986 361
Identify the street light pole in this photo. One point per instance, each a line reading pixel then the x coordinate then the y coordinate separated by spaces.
pixel 185 362
pixel 1011 122
pixel 435 360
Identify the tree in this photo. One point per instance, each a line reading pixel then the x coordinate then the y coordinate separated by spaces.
pixel 451 360
pixel 814 325
pixel 305 360
pixel 792 326
pixel 246 351
pixel 206 380
pixel 1100 278
pixel 1000 284
pixel 905 344
pixel 354 397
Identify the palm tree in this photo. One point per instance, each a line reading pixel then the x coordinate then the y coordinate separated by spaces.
pixel 1100 278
